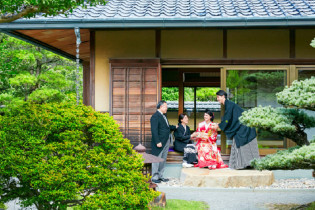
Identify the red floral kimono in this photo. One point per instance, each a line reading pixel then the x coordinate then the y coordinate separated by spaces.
pixel 208 153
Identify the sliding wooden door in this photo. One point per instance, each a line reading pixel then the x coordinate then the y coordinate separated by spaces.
pixel 135 91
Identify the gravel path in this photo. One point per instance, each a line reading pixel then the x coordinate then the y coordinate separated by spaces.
pixel 240 199
pixel 292 192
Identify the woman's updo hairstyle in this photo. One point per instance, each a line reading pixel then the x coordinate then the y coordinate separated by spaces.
pixel 210 114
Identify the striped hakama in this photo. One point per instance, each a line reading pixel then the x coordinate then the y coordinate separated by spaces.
pixel 240 157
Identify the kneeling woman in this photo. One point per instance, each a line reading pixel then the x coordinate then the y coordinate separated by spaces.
pixel 208 153
pixel 183 141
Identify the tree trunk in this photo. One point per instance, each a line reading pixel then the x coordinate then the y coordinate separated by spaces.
pixel 38 67
pixel 300 138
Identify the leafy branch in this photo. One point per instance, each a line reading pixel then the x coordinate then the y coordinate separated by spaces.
pixel 11 10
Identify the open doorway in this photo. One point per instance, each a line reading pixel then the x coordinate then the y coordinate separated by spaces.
pixel 191 91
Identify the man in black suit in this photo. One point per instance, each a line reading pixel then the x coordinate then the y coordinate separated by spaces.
pixel 160 130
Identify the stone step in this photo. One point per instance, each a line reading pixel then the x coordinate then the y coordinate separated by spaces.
pixel 177 157
pixel 203 177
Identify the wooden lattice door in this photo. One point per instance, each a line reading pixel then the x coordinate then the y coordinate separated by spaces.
pixel 135 91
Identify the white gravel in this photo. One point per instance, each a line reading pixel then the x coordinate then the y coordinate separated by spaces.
pixel 278 184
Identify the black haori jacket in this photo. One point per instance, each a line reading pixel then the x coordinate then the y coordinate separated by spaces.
pixel 231 125
pixel 160 132
pixel 182 137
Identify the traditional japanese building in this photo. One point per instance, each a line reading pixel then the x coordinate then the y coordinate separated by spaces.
pixel 132 50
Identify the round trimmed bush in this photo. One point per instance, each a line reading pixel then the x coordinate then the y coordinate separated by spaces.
pixel 55 156
pixel 290 159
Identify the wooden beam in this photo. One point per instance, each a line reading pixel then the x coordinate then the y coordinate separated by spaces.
pixel 287 61
pixel 143 62
pixel 202 84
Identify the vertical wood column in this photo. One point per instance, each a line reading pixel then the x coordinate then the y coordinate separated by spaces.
pixel 180 92
pixel 86 83
pixel 92 69
pixel 158 43
pixel 224 43
pixel 223 87
pixel 292 43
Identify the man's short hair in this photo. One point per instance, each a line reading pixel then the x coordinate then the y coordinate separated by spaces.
pixel 222 93
pixel 160 104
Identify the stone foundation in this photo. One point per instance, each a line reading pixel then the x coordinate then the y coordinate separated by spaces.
pixel 202 177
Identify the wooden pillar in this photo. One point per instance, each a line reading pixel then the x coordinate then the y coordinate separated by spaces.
pixel 223 87
pixel 180 92
pixel 86 83
pixel 92 69
pixel 292 43
pixel 158 43
pixel 224 43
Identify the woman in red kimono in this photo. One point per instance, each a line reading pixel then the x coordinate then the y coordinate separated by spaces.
pixel 206 137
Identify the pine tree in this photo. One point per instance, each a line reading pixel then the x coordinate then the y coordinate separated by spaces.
pixel 289 121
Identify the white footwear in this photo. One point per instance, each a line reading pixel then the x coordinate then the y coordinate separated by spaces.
pixel 187 165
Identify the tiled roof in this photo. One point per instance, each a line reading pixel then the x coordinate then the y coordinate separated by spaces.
pixel 142 9
pixel 178 13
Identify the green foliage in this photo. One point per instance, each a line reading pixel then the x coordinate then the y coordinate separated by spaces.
pixel 24 69
pixel 311 206
pixel 286 122
pixel 247 87
pixel 2 206
pixel 170 93
pixel 9 63
pixel 6 98
pixel 299 94
pixel 268 118
pixel 281 121
pixel 206 94
pixel 45 95
pixel 271 80
pixel 61 155
pixel 23 80
pixel 189 94
pixel 293 158
pixel 11 10
pixel 202 94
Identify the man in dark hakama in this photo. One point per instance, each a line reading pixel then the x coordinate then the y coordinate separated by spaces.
pixel 244 147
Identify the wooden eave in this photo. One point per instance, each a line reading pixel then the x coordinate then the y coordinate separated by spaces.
pixel 60 41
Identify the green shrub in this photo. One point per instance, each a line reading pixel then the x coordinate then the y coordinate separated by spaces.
pixel 293 158
pixel 2 206
pixel 61 155
pixel 46 95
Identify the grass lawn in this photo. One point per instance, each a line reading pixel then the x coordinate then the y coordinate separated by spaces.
pixel 183 205
pixel 291 206
pixel 311 206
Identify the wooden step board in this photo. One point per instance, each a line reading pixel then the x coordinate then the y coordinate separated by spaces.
pixel 177 157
